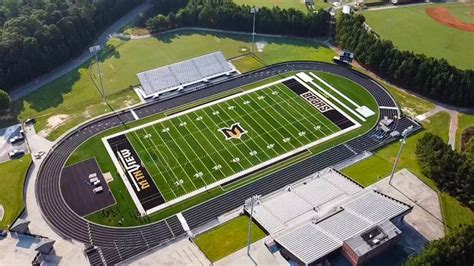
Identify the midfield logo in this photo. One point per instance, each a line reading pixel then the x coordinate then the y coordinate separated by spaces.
pixel 234 132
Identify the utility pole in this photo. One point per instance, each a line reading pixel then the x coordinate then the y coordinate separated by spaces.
pixel 254 11
pixel 405 134
pixel 249 203
pixel 92 50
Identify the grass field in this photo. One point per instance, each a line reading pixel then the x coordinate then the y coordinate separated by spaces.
pixel 94 148
pixel 227 238
pixel 410 28
pixel 12 178
pixel 74 97
pixel 380 165
pixel 189 152
pixel 283 4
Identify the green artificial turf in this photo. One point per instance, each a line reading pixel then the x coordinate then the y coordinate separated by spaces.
pixel 410 28
pixel 94 148
pixel 12 179
pixel 227 238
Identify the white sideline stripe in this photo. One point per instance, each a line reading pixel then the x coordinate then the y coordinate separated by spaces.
pixel 329 102
pixel 134 114
pixel 336 100
pixel 335 90
pixel 183 222
pixel 124 177
pixel 234 176
pixel 388 107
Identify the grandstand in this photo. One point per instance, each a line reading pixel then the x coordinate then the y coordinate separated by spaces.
pixel 316 217
pixel 184 74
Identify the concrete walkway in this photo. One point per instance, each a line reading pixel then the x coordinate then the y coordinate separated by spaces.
pixel 453 123
pixel 72 64
pixel 426 216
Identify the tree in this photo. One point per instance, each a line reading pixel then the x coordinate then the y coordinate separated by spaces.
pixel 454 249
pixel 4 100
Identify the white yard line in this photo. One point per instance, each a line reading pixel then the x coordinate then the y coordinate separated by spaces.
pixel 328 101
pixel 199 143
pixel 310 114
pixel 338 101
pixel 215 149
pixel 266 143
pixel 244 142
pixel 156 165
pixel 176 159
pixel 335 90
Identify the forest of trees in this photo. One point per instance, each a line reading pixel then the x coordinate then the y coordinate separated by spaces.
pixel 455 249
pixel 434 78
pixel 453 172
pixel 226 15
pixel 38 35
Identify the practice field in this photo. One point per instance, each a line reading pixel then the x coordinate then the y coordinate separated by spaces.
pixel 283 4
pixel 411 28
pixel 190 152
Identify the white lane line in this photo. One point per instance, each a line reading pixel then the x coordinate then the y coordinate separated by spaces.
pixel 388 107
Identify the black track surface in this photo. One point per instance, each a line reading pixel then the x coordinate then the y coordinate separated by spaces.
pixel 114 245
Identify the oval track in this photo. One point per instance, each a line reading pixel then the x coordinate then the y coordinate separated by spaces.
pixel 117 244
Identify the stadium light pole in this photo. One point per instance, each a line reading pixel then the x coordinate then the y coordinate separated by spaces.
pixel 332 13
pixel 405 134
pixel 249 203
pixel 254 11
pixel 95 50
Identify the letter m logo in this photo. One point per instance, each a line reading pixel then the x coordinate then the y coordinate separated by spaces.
pixel 234 132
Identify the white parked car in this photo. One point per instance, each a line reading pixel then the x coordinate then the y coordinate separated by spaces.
pixel 16 139
pixel 16 153
pixel 38 155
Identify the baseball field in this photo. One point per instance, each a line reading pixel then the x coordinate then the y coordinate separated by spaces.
pixel 437 30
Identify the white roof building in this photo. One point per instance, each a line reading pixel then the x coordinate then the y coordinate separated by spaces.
pixel 313 218
pixel 185 73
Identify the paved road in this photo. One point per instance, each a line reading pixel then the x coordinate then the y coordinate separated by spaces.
pixel 63 69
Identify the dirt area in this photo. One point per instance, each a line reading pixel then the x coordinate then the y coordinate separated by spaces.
pixel 466 136
pixel 441 15
pixel 53 123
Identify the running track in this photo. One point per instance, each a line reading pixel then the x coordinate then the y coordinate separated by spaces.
pixel 111 245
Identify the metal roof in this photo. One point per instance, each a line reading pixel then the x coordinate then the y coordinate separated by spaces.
pixel 322 212
pixel 177 75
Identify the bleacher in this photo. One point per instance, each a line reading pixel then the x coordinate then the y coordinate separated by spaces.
pixel 182 74
pixel 313 217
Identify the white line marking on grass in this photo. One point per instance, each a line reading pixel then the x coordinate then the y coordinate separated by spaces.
pixel 205 137
pixel 199 143
pixel 311 115
pixel 176 159
pixel 244 142
pixel 187 158
pixel 266 132
pixel 335 90
pixel 151 158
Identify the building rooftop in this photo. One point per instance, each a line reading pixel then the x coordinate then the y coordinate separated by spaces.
pixel 184 73
pixel 312 218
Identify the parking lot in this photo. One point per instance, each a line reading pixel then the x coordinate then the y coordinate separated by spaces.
pixel 5 147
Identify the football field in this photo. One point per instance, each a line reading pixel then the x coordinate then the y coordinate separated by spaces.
pixel 189 152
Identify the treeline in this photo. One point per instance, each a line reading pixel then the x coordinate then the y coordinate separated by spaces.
pixel 431 77
pixel 453 172
pixel 455 249
pixel 38 35
pixel 226 15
